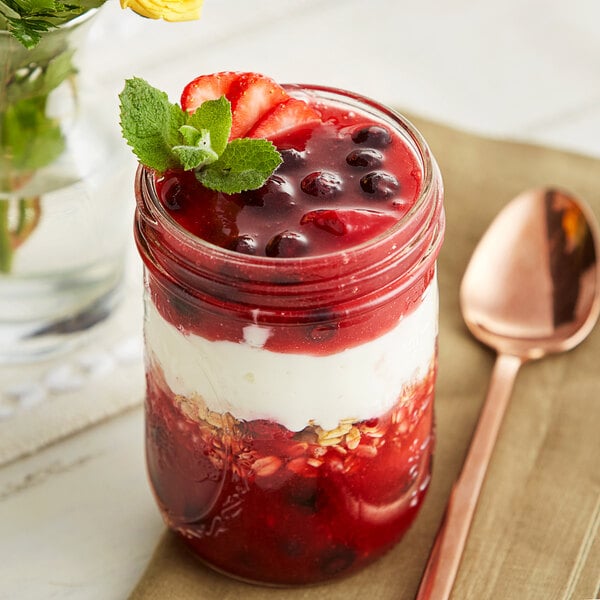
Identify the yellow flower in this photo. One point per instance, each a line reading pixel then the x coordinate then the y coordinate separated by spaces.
pixel 169 10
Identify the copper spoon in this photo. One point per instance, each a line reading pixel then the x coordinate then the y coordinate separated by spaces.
pixel 532 288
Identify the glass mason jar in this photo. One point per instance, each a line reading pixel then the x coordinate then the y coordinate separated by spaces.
pixel 289 410
pixel 64 221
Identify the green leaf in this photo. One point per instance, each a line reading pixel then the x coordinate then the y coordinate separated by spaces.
pixel 215 116
pixel 27 32
pixel 197 152
pixel 28 20
pixel 244 165
pixel 193 137
pixel 151 124
pixel 163 136
pixel 36 79
pixel 29 136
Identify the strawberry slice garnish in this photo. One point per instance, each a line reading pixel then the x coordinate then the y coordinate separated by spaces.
pixel 352 223
pixel 207 87
pixel 261 108
pixel 253 96
pixel 288 115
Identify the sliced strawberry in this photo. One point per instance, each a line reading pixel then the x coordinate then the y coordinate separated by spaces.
pixel 288 115
pixel 207 87
pixel 253 96
pixel 355 224
pixel 261 108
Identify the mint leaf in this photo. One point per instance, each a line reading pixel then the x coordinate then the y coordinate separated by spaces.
pixel 193 137
pixel 197 151
pixel 163 137
pixel 151 124
pixel 244 165
pixel 215 116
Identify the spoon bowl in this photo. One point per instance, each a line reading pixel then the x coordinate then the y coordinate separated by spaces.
pixel 531 288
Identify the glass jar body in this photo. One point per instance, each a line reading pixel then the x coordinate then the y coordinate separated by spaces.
pixel 289 410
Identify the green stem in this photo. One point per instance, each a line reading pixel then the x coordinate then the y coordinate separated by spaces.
pixel 28 216
pixel 6 249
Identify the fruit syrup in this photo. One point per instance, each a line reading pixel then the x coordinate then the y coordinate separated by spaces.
pixel 341 183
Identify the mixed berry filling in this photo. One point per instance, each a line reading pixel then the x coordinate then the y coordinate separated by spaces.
pixel 267 504
pixel 342 182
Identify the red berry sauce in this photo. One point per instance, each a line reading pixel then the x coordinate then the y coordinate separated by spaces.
pixel 342 183
pixel 266 504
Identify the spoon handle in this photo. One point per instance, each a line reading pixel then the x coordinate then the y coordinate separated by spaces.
pixel 451 538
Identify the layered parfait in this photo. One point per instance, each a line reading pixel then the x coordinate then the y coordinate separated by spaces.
pixel 291 335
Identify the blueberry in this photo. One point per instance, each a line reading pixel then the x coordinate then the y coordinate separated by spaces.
pixel 292 158
pixel 277 190
pixel 324 327
pixel 287 244
pixel 173 194
pixel 365 157
pixel 374 135
pixel 292 547
pixel 379 184
pixel 337 560
pixel 322 333
pixel 253 198
pixel 243 243
pixel 322 184
pixel 303 494
pixel 178 307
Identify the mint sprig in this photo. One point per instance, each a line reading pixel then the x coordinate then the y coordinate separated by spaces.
pixel 163 137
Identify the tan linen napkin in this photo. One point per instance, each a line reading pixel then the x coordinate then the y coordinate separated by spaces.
pixel 535 531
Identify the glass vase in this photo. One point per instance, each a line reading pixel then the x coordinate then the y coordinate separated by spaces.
pixel 63 221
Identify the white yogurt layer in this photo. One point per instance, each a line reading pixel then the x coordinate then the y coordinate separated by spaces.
pixel 250 382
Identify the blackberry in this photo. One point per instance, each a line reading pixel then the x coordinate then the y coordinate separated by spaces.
pixel 303 494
